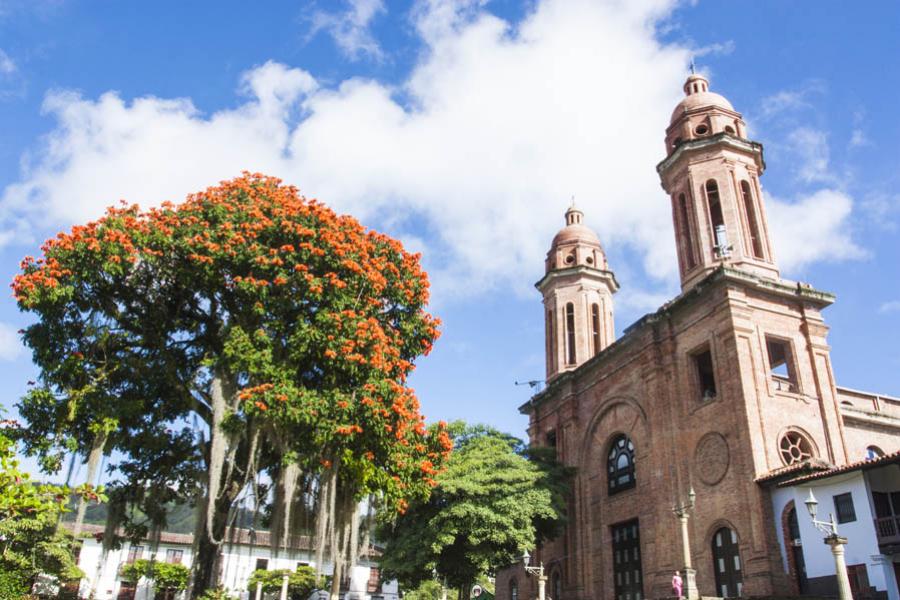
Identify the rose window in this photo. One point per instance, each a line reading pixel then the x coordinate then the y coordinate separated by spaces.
pixel 795 447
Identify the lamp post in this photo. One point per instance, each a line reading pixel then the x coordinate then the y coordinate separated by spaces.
pixel 443 581
pixel 539 571
pixel 284 587
pixel 682 511
pixel 837 543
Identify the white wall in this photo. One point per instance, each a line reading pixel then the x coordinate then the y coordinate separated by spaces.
pixel 109 583
pixel 239 562
pixel 862 542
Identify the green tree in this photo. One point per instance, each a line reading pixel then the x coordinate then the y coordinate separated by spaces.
pixel 429 589
pixel 30 541
pixel 284 331
pixel 168 578
pixel 491 503
pixel 301 582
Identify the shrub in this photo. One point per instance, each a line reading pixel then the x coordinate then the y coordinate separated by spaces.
pixel 301 582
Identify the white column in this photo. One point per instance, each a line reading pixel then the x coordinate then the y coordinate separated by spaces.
pixel 837 549
pixel 284 587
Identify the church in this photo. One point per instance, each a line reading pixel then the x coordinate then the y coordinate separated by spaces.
pixel 697 434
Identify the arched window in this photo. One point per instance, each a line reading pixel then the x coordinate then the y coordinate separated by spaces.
pixel 570 333
pixel 720 237
pixel 686 237
pixel 727 563
pixel 513 590
pixel 620 464
pixel 795 447
pixel 595 326
pixel 873 452
pixel 752 221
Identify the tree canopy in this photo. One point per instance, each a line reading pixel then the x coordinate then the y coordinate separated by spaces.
pixel 491 503
pixel 301 581
pixel 245 331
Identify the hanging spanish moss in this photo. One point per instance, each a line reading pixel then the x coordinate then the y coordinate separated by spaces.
pixel 94 458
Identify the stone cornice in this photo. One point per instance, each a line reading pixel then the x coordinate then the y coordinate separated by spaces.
pixel 599 274
pixel 726 139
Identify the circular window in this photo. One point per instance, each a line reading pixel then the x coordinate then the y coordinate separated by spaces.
pixel 701 130
pixel 873 452
pixel 590 260
pixel 729 129
pixel 795 447
pixel 570 259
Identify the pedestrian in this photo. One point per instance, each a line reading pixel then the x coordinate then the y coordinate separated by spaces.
pixel 677 584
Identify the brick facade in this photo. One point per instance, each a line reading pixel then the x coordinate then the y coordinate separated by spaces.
pixel 718 435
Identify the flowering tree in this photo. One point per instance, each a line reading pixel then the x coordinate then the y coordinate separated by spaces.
pixel 286 330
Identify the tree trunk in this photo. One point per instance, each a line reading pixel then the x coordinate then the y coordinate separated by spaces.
pixel 336 579
pixel 92 464
pixel 220 494
pixel 207 553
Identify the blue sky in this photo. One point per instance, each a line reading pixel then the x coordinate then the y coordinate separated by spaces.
pixel 464 127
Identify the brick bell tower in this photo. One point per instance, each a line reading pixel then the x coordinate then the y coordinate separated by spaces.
pixel 711 173
pixel 577 289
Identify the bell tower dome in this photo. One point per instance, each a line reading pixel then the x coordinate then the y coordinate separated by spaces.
pixel 711 173
pixel 577 289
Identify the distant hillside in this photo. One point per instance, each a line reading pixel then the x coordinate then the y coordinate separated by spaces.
pixel 180 518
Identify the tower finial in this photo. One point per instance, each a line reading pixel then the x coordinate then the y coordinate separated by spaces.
pixel 693 67
pixel 573 201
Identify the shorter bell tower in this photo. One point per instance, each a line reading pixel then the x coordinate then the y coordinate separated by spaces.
pixel 711 173
pixel 577 289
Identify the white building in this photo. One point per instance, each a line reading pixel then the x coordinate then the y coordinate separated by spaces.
pixel 242 553
pixel 864 498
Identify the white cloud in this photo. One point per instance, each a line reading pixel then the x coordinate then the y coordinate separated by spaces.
pixel 502 123
pixel 813 228
pixel 810 148
pixel 350 28
pixel 11 346
pixel 891 306
pixel 7 66
pixel 715 49
pixel 791 101
pixel 882 210
pixel 858 139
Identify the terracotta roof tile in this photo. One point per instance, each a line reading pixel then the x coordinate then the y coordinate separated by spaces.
pixel 865 464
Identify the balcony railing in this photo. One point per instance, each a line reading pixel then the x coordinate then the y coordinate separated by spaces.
pixel 888 529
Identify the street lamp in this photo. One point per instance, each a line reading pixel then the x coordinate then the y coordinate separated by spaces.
pixel 682 511
pixel 443 581
pixel 837 543
pixel 539 571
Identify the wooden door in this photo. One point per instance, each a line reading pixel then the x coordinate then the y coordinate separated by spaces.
pixel 627 575
pixel 727 563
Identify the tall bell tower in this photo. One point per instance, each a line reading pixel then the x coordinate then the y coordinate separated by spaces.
pixel 711 173
pixel 577 289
